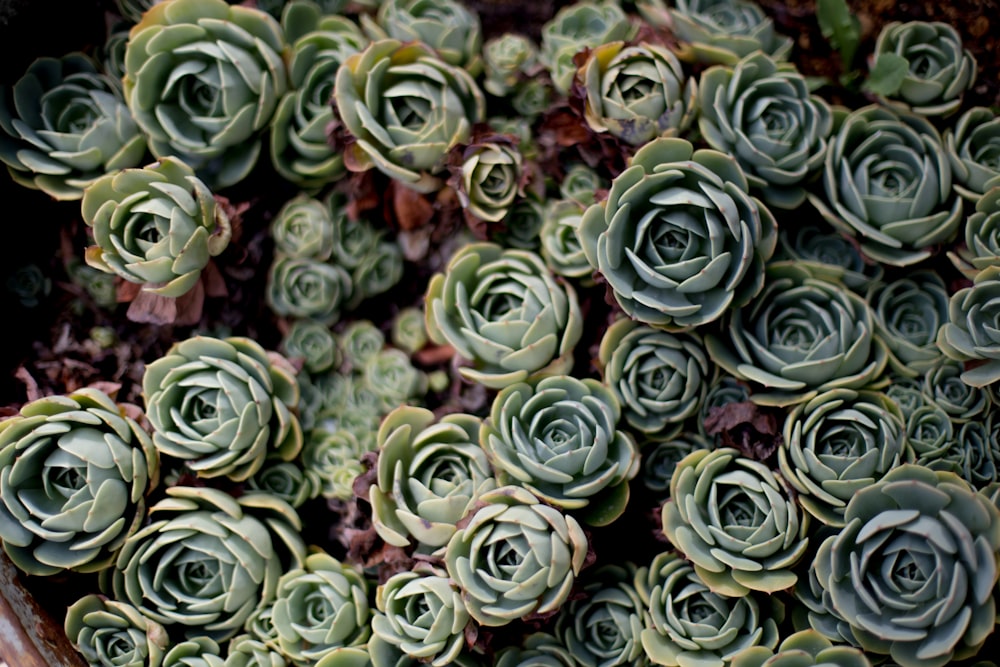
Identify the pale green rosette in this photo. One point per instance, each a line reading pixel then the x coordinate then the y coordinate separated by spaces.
pixel 560 240
pixel 802 649
pixel 302 227
pixel 908 313
pixel 302 287
pixel 447 26
pixel 112 633
pixel 577 26
pixel 982 236
pixel 973 145
pixel 971 332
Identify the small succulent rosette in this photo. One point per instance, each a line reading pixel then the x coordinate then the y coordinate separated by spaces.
pixel 908 313
pixel 157 226
pixel 404 108
pixel 914 570
pixel 982 237
pixel 828 253
pixel 505 312
pixel 973 146
pixel 679 240
pixel 575 27
pixel 970 334
pixel 488 175
pixel 938 69
pixel 560 241
pixel 508 59
pixel 102 629
pixel 75 472
pixel 202 79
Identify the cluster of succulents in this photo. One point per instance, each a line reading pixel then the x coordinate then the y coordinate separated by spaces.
pixel 618 345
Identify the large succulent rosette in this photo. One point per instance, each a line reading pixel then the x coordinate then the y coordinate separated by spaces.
pixel 74 475
pixel 973 145
pixel 887 182
pixel 447 26
pixel 678 239
pixel 914 570
pixel 222 406
pixel 762 113
pixel 802 335
pixel 505 312
pixel 405 108
pixel 516 557
pixel 158 226
pixel 63 124
pixel 202 79
pixel 971 333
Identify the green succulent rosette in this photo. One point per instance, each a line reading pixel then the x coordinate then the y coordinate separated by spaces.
pixel 334 455
pixel 75 471
pixel 827 253
pixel 736 521
pixel 405 108
pixel 838 443
pixel 559 438
pixel 157 226
pixel 447 26
pixel 929 431
pixel 222 405
pixel 286 480
pixel 319 607
pixel 973 146
pixel 393 378
pixel 693 625
pixel 636 92
pixel 196 652
pixel 972 453
pixel 801 336
pixel 908 313
pixel 660 458
pixel 488 177
pixel 943 386
pixel 580 183
pixel 108 632
pixel 678 239
pixel 521 227
pixel 505 312
pixel 515 557
pixel 422 613
pixel 302 227
pixel 430 474
pixel 938 68
pixel 245 651
pixel 982 236
pixel 560 240
pixel 659 378
pixel 887 182
pixel 537 649
pixel 63 125
pixel 320 42
pixel 360 341
pixel 914 570
pixel 970 334
pixel 802 649
pixel 312 342
pixel 573 28
pixel 507 60
pixel 409 329
pixel 762 112
pixel 302 287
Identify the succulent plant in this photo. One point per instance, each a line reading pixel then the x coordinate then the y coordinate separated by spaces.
pixel 971 453
pixel 507 59
pixel 938 68
pixel 334 455
pixel 914 570
pixel 558 438
pixel 515 557
pixel 929 431
pixel 736 521
pixel 659 459
pixel 447 26
pixel 195 652
pixel 908 313
pixel 75 471
pixel 313 343
pixel 944 387
pixel 430 474
pixel 802 335
pixel 381 268
pixel 887 182
pixel 636 92
pixel 108 632
pixel 659 378
pixel 158 226
pixel 320 42
pixel 560 240
pixel 521 227
pixel 222 405
pixel 827 253
pixel 970 333
pixel 573 28
pixel 581 183
pixel 691 624
pixel 973 147
pixel 409 330
pixel 302 287
pixel 302 227
pixel 29 285
pixel 505 312
pixel 762 112
pixel 393 378
pixel 320 606
pixel 286 480
pixel 678 239
pixel 488 177
pixel 806 647
pixel 63 125
pixel 405 108
pixel 982 236
pixel 838 443
pixel 245 651
pixel 537 649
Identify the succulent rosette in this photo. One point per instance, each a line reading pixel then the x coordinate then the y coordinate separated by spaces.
pixel 887 182
pixel 914 570
pixel 762 112
pixel 575 27
pixel 320 43
pixel 827 253
pixel 222 405
pixel 393 378
pixel 908 313
pixel 516 557
pixel 505 312
pixel 806 647
pixel 693 625
pixel 158 226
pixel 660 459
pixel 203 563
pixel 409 331
pixel 405 108
pixel 507 59
pixel 286 480
pixel 982 236
pixel 972 453
pixel 581 184
pixel 678 239
pixel 636 92
pixel 334 455
pixel 63 125
pixel 973 146
pixel 737 522
pixel 422 613
pixel 971 332
pixel 381 268
pixel 448 26
pixel 430 474
pixel 245 651
pixel 302 287
pixel 521 227
pixel 108 632
pixel 838 443
pixel 302 227
pixel 938 68
pixel 558 438
pixel 659 378
pixel 560 240
pixel 538 649
pixel 319 607
pixel 944 387
pixel 74 474
pixel 929 431
pixel 488 177
pixel 312 342
pixel 197 652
